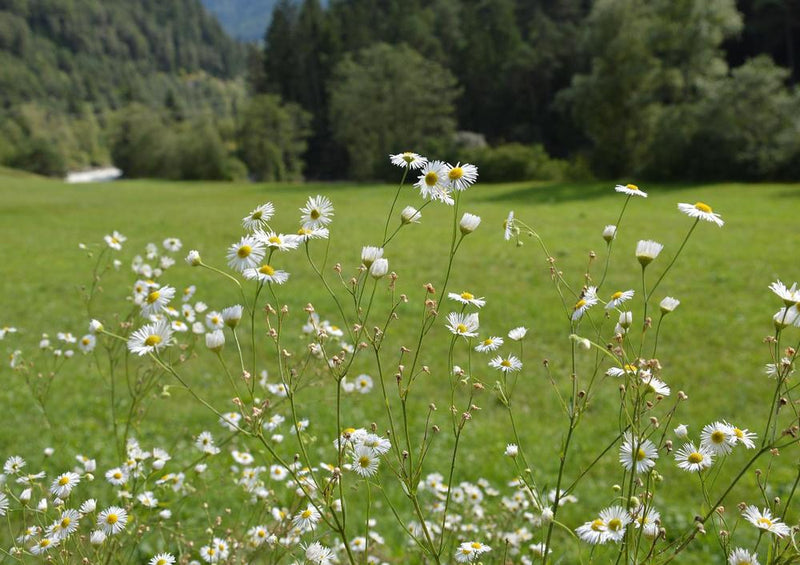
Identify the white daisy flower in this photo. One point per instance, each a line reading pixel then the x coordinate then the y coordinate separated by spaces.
pixel 147 499
pixel 318 554
pixel 593 532
pixel 278 473
pixel 790 296
pixel 619 297
pixel 266 274
pixel 764 520
pixel 279 241
pixel 379 268
pixel 363 384
pixel 668 304
pixel 647 250
pixel 115 240
pixel 512 450
pixel 717 438
pixel 408 160
pixel 305 234
pixel 616 518
pixel 701 211
pixel 117 476
pixel 469 551
pixel 741 556
pixel 489 344
pixel 431 183
pixel 465 325
pixel 630 190
pixel 508 226
pixel 97 537
pixel 370 254
pixel 587 300
pixel 46 543
pixel 64 483
pixel 655 384
pixel 242 457
pixel 150 338
pixel 306 519
pixel 681 431
pixel 162 559
pixel 246 254
pixel 205 443
pixel 467 298
pixel 156 300
pixel 469 223
pixel 193 258
pixel 179 326
pixel 3 504
pixel 517 334
pixel 230 420
pixel 649 522
pixel 461 177
pixel 214 320
pixel 317 212
pixel 640 454
pixel 410 215
pixel 259 217
pixel 745 437
pixel 692 459
pixel 172 244
pixel 258 535
pixel 365 461
pixel 507 365
pixel 112 520
pixel 13 465
pixel 7 330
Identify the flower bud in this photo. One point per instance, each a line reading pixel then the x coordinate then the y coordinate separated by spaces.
pixel 469 223
pixel 215 340
pixel 193 258
pixel 379 268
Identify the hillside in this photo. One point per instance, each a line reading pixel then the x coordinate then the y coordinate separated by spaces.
pixel 67 66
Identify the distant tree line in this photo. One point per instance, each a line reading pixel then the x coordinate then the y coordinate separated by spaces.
pixel 669 89
pixel 550 89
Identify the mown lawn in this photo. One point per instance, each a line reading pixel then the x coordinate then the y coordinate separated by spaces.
pixel 711 347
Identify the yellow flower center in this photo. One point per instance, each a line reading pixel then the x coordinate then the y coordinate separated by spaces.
pixel 117 475
pixel 765 522
pixel 476 545
pixel 161 561
pixel 461 328
pixel 695 457
pixel 614 524
pixel 408 157
pixel 640 455
pixel 304 231
pixel 63 481
pixel 315 214
pixel 306 513
pixel 467 295
pixel 256 215
pixel 153 296
pixel 275 239
pixel 349 431
pixel 112 519
pixel 630 368
pixel 580 304
pixel 44 543
pixel 114 240
pixel 152 340
pixel 488 341
pixel 244 251
pixel 505 363
pixel 739 433
pixel 65 522
pixel 86 341
pixel 266 270
pixel 466 551
pixel 456 173
pixel 616 295
pixel 187 290
pixel 703 207
pixel 597 525
pixel 718 436
pixel 363 461
pixel 431 179
pixel 631 187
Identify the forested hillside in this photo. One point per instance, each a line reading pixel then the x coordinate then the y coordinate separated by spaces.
pixel 243 19
pixel 66 65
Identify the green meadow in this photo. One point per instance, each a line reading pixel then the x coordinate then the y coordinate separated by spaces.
pixel 711 347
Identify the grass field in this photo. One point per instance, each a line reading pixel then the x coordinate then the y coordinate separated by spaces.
pixel 711 347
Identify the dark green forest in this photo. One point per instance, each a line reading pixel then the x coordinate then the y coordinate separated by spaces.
pixel 550 89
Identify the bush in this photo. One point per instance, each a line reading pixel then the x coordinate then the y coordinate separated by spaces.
pixel 516 162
